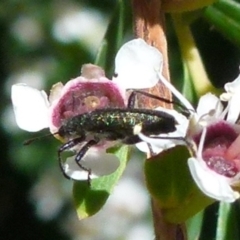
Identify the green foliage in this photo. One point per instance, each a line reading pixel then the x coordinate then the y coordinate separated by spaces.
pixel 184 5
pixel 114 36
pixel 170 183
pixel 90 199
pixel 228 221
pixel 225 17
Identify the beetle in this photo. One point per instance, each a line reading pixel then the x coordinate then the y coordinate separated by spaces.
pixel 113 124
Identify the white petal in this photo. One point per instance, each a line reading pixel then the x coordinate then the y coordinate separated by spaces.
pixel 233 108
pixel 225 97
pixel 176 93
pixel 234 86
pixel 30 107
pixel 208 103
pixel 232 95
pixel 158 144
pixel 231 88
pixel 143 146
pixel 210 183
pixel 136 65
pixel 100 163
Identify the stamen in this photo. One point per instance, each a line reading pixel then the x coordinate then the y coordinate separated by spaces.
pixel 175 92
pixel 202 120
pixel 224 112
pixel 201 143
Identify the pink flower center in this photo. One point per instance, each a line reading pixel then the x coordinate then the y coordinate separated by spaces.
pixel 86 96
pixel 218 139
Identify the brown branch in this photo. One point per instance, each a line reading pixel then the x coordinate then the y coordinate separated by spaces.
pixel 150 25
pixel 165 230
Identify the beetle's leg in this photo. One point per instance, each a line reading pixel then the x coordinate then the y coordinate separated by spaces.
pixel 131 140
pixel 132 100
pixel 150 150
pixel 135 139
pixel 67 146
pixel 81 154
pixel 172 138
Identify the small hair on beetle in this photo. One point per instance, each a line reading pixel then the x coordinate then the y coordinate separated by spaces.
pixel 29 141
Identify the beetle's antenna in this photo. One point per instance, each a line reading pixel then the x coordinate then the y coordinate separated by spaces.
pixel 29 141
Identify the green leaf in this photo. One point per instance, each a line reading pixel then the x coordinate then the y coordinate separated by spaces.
pixel 194 226
pixel 188 89
pixel 230 8
pixel 113 39
pixel 228 221
pixel 90 199
pixel 194 70
pixel 183 6
pixel 225 16
pixel 170 183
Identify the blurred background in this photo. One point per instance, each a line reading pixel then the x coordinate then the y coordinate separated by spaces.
pixel 44 42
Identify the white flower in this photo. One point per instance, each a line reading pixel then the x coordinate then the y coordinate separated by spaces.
pixel 212 171
pixel 213 184
pixel 137 64
pixel 215 166
pixel 30 107
pixel 134 66
pixel 33 112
